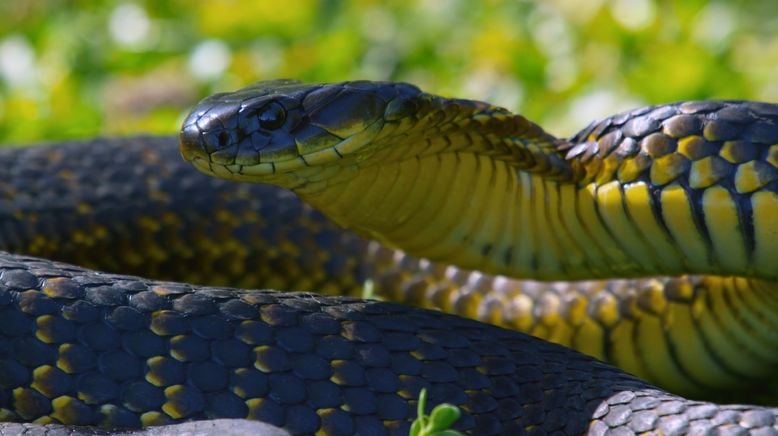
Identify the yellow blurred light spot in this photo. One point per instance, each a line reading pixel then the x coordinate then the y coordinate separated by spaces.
pixel 233 17
pixel 493 47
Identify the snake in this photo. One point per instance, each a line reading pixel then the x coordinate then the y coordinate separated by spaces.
pixel 659 219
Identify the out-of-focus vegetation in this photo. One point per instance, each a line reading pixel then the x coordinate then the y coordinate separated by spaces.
pixel 78 68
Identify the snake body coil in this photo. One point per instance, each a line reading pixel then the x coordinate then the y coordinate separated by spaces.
pixel 85 348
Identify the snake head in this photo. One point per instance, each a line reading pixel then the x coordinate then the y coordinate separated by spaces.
pixel 280 127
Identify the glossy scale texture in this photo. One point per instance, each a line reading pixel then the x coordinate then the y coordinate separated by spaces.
pixel 683 188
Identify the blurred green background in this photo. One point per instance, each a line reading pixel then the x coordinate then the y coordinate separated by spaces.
pixel 71 69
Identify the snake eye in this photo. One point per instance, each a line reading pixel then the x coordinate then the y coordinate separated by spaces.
pixel 272 116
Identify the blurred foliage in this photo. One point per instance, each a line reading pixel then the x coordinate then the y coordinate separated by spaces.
pixel 78 68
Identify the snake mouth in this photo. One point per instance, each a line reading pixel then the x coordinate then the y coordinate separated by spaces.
pixel 194 150
pixel 277 128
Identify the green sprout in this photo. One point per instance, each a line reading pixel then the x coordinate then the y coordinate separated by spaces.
pixel 438 423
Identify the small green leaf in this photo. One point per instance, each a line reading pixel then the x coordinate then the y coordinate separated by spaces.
pixel 416 427
pixel 422 403
pixel 443 417
pixel 437 424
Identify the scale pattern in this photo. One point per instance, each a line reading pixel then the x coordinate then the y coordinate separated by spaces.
pixel 85 348
pixel 670 190
pixel 262 236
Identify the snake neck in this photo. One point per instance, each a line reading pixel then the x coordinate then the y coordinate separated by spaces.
pixel 681 188
pixel 480 213
pixel 461 207
pixel 489 190
pixel 463 184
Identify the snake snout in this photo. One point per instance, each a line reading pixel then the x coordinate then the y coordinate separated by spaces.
pixel 241 129
pixel 190 143
pixel 211 134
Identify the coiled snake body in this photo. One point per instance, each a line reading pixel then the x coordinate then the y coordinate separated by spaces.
pixel 689 188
